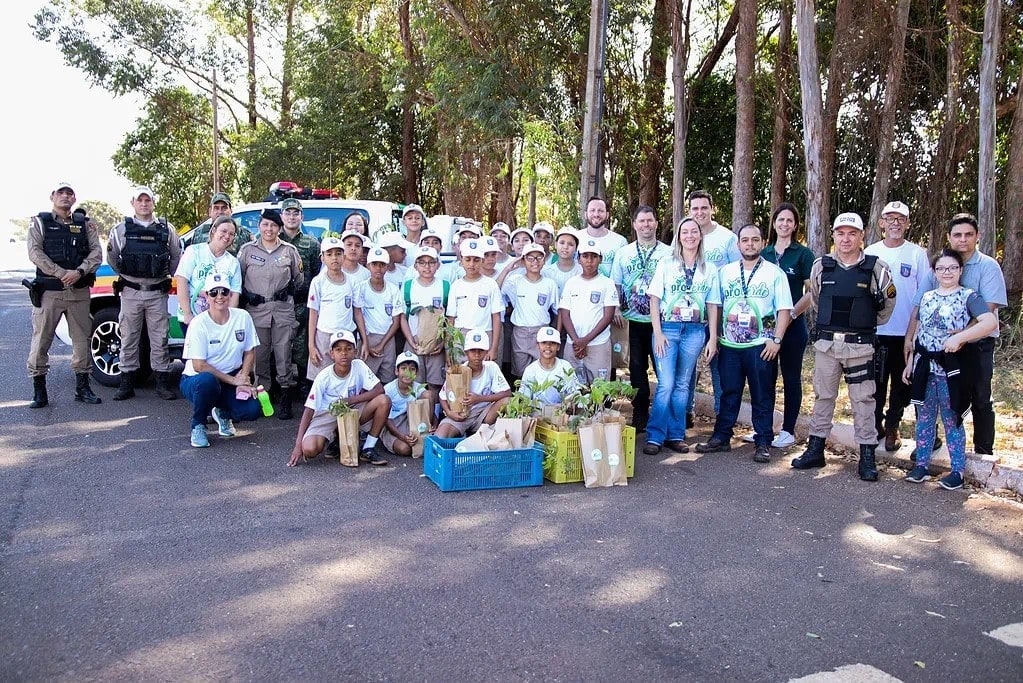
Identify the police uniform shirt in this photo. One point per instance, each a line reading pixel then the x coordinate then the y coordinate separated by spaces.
pixel 585 301
pixel 265 272
pixel 632 270
pixel 196 263
pixel 116 244
pixel 721 247
pixel 378 308
pixel 683 297
pixel 909 269
pixel 329 387
pixel 532 302
pixel 749 315
pixel 333 303
pixel 472 304
pixel 222 346
pixel 881 281
pixel 45 264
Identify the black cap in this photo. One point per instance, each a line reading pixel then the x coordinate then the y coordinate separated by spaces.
pixel 272 215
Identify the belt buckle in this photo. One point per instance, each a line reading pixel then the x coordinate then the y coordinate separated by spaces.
pixel 838 336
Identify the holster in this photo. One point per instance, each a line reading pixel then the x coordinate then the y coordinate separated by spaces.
pixel 35 292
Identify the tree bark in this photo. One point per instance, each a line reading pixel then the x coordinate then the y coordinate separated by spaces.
pixel 653 107
pixel 680 58
pixel 986 178
pixel 779 140
pixel 288 64
pixel 809 79
pixel 409 169
pixel 1012 250
pixel 745 123
pixel 893 86
pixel 839 67
pixel 710 60
pixel 250 39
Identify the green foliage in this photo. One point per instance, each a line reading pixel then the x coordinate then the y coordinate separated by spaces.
pixel 453 339
pixel 105 215
pixel 339 408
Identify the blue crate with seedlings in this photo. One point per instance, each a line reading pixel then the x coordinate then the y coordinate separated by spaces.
pixel 454 471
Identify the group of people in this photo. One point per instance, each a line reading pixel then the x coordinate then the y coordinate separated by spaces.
pixel 371 323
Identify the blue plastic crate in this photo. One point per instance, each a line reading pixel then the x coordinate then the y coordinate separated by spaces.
pixel 454 471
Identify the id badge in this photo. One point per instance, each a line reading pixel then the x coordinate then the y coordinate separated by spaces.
pixel 745 320
pixel 686 315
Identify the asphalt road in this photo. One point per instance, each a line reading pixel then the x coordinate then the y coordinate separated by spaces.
pixel 127 554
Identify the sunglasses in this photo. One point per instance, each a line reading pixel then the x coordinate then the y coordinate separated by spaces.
pixel 219 291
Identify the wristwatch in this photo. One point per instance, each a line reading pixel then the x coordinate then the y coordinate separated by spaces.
pixel 776 340
pixel 81 273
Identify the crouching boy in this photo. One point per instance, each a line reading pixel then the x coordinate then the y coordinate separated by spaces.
pixel 399 436
pixel 549 378
pixel 350 380
pixel 488 391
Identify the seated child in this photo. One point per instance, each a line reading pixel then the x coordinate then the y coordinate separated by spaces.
pixel 488 391
pixel 351 380
pixel 549 368
pixel 402 390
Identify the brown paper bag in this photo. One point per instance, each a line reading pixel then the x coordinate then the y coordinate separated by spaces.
pixel 600 446
pixel 620 346
pixel 521 430
pixel 498 441
pixel 419 423
pixel 457 383
pixel 480 441
pixel 615 443
pixel 348 438
pixel 430 341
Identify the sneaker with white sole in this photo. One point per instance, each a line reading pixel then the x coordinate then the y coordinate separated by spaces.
pixel 918 474
pixel 225 427
pixel 199 438
pixel 783 440
pixel 748 438
pixel 951 482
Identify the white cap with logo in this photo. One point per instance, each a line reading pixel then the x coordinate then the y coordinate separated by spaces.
pixel 428 252
pixel 472 247
pixel 331 243
pixel 845 220
pixel 590 246
pixel 548 334
pixel 378 255
pixel 343 335
pixel 477 339
pixel 393 238
pixel 895 207
pixel 142 190
pixel 215 279
pixel 406 357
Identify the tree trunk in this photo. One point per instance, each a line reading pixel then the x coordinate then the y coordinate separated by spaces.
pixel 250 37
pixel 288 65
pixel 653 107
pixel 745 124
pixel 839 68
pixel 409 170
pixel 809 79
pixel 1012 250
pixel 680 57
pixel 893 84
pixel 592 171
pixel 935 210
pixel 779 140
pixel 531 208
pixel 986 173
pixel 505 185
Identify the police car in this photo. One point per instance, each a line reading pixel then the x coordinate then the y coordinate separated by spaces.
pixel 322 212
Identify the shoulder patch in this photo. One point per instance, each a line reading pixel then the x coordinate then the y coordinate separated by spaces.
pixel 890 291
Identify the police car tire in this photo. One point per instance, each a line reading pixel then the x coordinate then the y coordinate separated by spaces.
pixel 104 330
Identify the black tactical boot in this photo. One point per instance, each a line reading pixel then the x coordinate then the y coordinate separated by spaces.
pixel 83 392
pixel 868 467
pixel 126 389
pixel 284 407
pixel 163 388
pixel 39 397
pixel 813 456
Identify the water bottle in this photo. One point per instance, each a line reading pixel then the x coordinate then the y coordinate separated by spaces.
pixel 264 401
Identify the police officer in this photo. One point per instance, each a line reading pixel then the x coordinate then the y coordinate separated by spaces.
pixel 309 252
pixel 144 251
pixel 66 251
pixel 271 273
pixel 852 294
pixel 220 205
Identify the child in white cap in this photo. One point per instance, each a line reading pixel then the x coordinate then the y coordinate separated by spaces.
pixel 588 305
pixel 398 437
pixel 548 369
pixel 380 304
pixel 488 392
pixel 475 302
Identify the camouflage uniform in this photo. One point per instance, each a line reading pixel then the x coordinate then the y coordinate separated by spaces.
pixel 309 252
pixel 202 234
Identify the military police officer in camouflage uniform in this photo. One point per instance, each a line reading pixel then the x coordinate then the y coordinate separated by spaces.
pixel 220 205
pixel 66 251
pixel 309 251
pixel 144 251
pixel 851 294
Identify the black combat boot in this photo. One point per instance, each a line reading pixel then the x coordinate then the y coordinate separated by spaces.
pixel 126 389
pixel 39 397
pixel 163 388
pixel 83 392
pixel 868 467
pixel 813 456
pixel 284 407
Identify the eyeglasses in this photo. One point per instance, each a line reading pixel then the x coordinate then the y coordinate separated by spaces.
pixel 219 291
pixel 901 220
pixel 533 258
pixel 946 269
pixel 426 263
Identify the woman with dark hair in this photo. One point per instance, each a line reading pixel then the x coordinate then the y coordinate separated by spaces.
pixel 795 260
pixel 938 370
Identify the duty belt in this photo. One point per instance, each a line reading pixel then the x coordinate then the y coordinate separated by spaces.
pixel 847 337
pixel 121 283
pixel 280 295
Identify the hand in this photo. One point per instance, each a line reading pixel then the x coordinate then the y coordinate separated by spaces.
pixel 618 320
pixel 491 355
pixel 907 348
pixel 314 356
pixel 712 347
pixel 660 344
pixel 377 351
pixel 415 345
pixel 470 400
pixel 770 351
pixel 187 316
pixel 239 380
pixel 907 374
pixel 70 277
pixel 296 455
pixel 953 344
pixel 410 439
pixel 579 348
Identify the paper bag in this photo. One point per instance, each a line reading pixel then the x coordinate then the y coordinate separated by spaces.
pixel 419 423
pixel 555 417
pixel 603 462
pixel 487 438
pixel 620 346
pixel 457 385
pixel 430 341
pixel 521 430
pixel 615 442
pixel 348 438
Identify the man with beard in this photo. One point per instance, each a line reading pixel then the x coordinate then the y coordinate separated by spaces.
pixel 598 230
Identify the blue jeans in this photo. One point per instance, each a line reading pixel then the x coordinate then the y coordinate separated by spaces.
pixel 675 381
pixel 715 380
pixel 791 359
pixel 737 367
pixel 206 392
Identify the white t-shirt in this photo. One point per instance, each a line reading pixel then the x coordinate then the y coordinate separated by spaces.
pixel 222 346
pixel 422 296
pixel 560 276
pixel 361 274
pixel 491 381
pixel 397 276
pixel 609 244
pixel 399 402
pixel 748 317
pixel 563 373
pixel 328 387
pixel 910 269
pixel 451 271
pixel 196 263
pixel 721 247
pixel 472 304
pixel 585 301
pixel 532 302
pixel 333 301
pixel 684 296
pixel 378 308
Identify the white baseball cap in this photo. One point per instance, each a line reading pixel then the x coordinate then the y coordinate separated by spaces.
pixel 848 220
pixel 343 335
pixel 406 357
pixel 895 207
pixel 477 339
pixel 490 244
pixel 331 243
pixel 62 185
pixel 545 226
pixel 470 227
pixel 472 247
pixel 534 248
pixel 355 233
pixel 393 238
pixel 142 190
pixel 590 246
pixel 215 279
pixel 548 334
pixel 570 232
pixel 429 232
pixel 500 226
pixel 378 255
pixel 524 231
pixel 427 251
pixel 413 207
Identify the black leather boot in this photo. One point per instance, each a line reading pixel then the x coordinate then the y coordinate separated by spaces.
pixel 126 389
pixel 39 397
pixel 163 388
pixel 813 456
pixel 83 392
pixel 284 407
pixel 868 466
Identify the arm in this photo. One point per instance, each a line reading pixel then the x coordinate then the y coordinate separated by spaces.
pixel 174 243
pixel 364 396
pixel 201 365
pixel 248 363
pixel 602 324
pixel 314 354
pixel 406 330
pixel 713 322
pixel 184 298
pixel 360 325
pixel 35 251
pixel 908 345
pixel 303 425
pixel 804 301
pixel 92 262
pixel 114 251
pixel 986 324
pixel 508 268
pixel 495 336
pixel 771 349
pixel 660 341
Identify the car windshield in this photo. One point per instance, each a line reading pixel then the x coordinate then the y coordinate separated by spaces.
pixel 315 220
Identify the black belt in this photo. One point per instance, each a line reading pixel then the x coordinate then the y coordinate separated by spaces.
pixel 159 287
pixel 280 295
pixel 847 337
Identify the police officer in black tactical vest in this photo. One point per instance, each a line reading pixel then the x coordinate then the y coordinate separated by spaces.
pixel 144 251
pixel 66 251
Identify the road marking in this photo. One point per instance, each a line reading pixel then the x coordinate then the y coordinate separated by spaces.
pixel 851 673
pixel 1010 635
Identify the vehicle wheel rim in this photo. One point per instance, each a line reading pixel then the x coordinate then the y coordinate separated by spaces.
pixel 106 348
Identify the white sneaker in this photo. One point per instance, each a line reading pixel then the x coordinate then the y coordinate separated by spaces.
pixel 199 438
pixel 783 440
pixel 225 427
pixel 748 438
